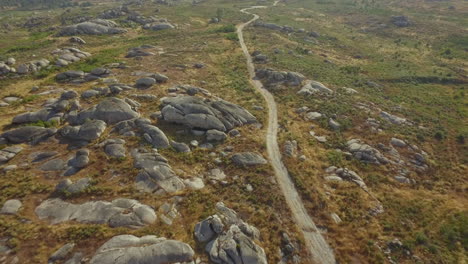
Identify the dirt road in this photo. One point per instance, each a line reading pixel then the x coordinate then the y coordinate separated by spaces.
pixel 319 250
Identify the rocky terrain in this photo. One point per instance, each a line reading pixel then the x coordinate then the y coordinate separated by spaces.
pixel 233 132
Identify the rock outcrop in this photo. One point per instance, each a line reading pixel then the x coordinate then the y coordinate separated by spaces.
pixel 8 153
pixel 126 249
pixel 111 110
pixel 85 133
pixel 155 174
pixel 274 79
pixel 229 239
pixel 28 134
pixel 365 153
pixel 313 87
pixel 92 27
pixel 119 212
pixel 197 112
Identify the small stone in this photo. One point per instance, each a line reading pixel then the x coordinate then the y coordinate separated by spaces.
pixel 11 207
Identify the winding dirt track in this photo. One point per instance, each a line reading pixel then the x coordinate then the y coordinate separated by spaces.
pixel 319 250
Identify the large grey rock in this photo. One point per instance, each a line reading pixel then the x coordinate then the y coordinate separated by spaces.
pixel 290 148
pixel 313 87
pixel 214 135
pixel 398 142
pixel 54 165
pixel 11 207
pixel 89 131
pixel 180 147
pixel 194 183
pixel 93 27
pixel 155 173
pixel 248 159
pixel 199 113
pixel 28 134
pixel 111 110
pixel 155 136
pixel 31 117
pixel 62 253
pixel 119 212
pixel 115 148
pixel 126 249
pixel 40 156
pixel 229 239
pixel 310 116
pixel 145 82
pixel 8 153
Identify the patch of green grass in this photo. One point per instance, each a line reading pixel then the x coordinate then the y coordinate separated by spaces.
pixel 225 29
pixel 232 36
pixel 34 45
pixel 46 124
pixel 335 158
pixel 79 233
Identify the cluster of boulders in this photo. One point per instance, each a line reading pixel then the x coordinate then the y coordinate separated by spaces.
pixel 7 66
pixel 78 77
pixel 275 79
pixel 396 120
pixel 53 111
pixel 365 152
pixel 228 239
pixel 92 27
pixel 69 187
pixel 344 174
pixel 69 55
pixel 119 212
pixel 111 90
pixel 143 20
pixel 258 57
pixel 150 79
pixel 114 12
pixel 70 166
pixel 32 66
pixel 187 89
